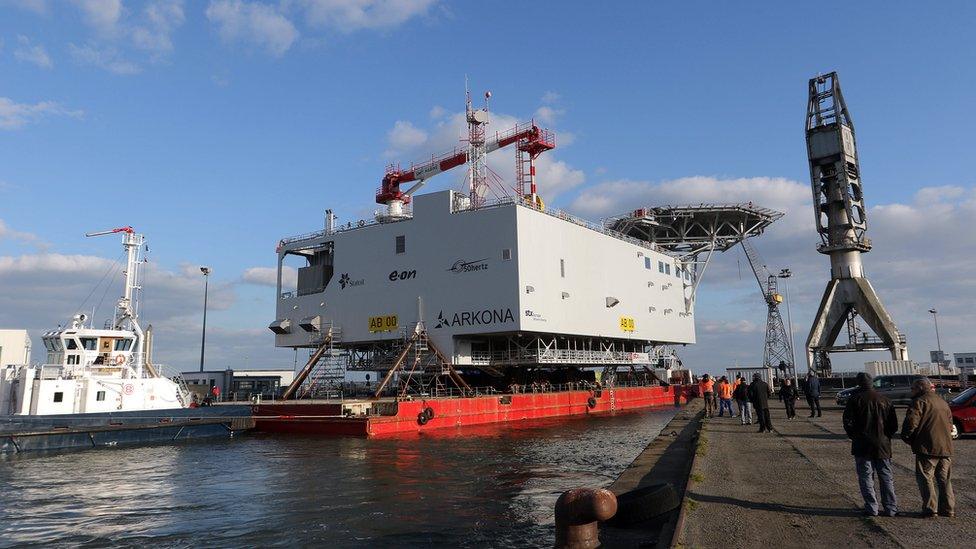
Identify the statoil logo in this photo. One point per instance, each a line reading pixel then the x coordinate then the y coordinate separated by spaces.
pixel 346 281
pixel 475 318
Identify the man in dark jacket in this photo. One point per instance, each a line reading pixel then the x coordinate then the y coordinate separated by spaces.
pixel 928 427
pixel 741 396
pixel 789 396
pixel 870 422
pixel 759 397
pixel 812 390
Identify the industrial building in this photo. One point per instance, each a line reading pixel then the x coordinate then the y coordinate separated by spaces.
pixel 15 347
pixel 239 384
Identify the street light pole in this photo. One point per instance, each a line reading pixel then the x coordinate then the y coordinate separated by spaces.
pixel 206 290
pixel 785 274
pixel 938 341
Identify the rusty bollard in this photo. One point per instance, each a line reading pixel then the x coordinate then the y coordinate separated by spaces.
pixel 577 514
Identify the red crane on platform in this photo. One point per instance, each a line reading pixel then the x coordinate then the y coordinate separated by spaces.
pixel 531 141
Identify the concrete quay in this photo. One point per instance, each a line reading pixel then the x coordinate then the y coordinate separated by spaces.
pixel 796 487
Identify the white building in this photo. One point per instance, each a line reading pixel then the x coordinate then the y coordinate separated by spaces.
pixel 495 286
pixel 242 384
pixel 965 361
pixel 15 347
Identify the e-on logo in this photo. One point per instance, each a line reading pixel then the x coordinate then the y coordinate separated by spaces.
pixel 402 275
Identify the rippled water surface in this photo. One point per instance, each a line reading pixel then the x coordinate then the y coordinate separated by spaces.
pixel 480 486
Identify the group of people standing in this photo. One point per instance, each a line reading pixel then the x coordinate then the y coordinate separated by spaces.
pixel 751 399
pixel 870 422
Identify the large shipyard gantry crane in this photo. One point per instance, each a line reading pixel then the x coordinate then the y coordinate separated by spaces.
pixel 778 348
pixel 838 204
pixel 531 141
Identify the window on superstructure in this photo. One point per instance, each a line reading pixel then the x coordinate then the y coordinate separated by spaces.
pixel 89 343
pixel 123 344
pixel 660 266
pixel 647 263
pixel 100 396
pixel 507 254
pixel 71 344
pixel 74 359
pixel 562 268
pixel 667 268
pixel 58 396
pixel 401 244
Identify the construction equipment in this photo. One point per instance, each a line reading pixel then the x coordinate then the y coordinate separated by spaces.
pixel 838 205
pixel 531 140
pixel 778 346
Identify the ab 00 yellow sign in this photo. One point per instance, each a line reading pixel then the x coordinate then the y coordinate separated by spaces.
pixel 627 324
pixel 386 323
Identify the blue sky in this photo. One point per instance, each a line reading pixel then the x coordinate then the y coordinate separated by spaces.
pixel 218 127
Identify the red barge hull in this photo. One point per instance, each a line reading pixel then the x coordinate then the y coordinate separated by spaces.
pixel 395 417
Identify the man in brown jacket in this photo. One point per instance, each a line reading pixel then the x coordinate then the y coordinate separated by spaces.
pixel 928 427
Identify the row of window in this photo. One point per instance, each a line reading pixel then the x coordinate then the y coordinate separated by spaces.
pixel 664 267
pixel 967 360
pixel 59 396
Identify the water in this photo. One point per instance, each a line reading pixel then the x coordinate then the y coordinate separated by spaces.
pixel 478 486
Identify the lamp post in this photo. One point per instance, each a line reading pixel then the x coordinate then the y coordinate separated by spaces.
pixel 206 289
pixel 785 274
pixel 938 341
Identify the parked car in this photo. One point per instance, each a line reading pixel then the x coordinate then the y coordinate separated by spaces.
pixel 898 389
pixel 963 412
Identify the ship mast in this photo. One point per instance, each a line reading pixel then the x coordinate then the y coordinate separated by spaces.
pixel 126 309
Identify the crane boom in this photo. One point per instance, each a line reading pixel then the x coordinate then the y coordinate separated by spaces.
pixel 530 137
pixel 758 267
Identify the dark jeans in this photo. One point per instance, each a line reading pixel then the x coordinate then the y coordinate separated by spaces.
pixel 866 467
pixel 813 401
pixel 765 424
pixel 790 408
pixel 709 404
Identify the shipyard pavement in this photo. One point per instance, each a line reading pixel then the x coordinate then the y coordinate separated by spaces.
pixel 796 487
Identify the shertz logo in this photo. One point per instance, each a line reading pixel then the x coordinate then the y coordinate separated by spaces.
pixel 462 266
pixel 475 318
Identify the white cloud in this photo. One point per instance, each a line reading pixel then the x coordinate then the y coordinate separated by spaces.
pixel 547 114
pixel 268 276
pixel 17 115
pixel 116 30
pixel 729 327
pixel 39 7
pixel 352 15
pixel 161 19
pixel 101 15
pixel 108 58
pixel 919 261
pixel 258 23
pixel 404 136
pixel 437 112
pixel 31 53
pixel 551 97
pixel 9 234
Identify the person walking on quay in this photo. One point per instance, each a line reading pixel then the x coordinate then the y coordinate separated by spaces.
pixel 812 390
pixel 741 396
pixel 927 428
pixel 789 396
pixel 725 397
pixel 870 422
pixel 759 397
pixel 705 389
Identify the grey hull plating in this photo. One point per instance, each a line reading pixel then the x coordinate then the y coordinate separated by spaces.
pixel 79 431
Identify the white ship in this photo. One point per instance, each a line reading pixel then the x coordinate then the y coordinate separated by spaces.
pixel 98 386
